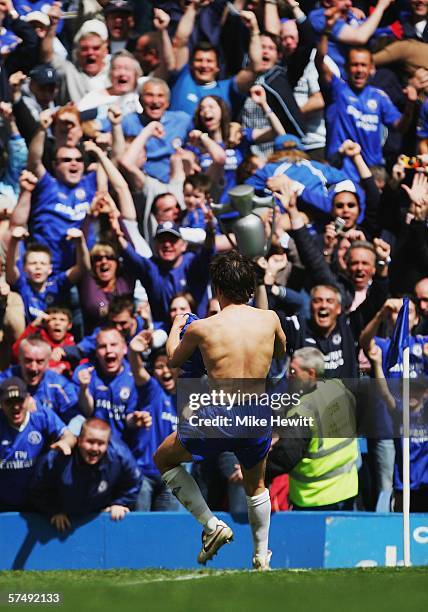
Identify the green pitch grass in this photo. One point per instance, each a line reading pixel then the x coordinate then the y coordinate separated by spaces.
pixel 355 590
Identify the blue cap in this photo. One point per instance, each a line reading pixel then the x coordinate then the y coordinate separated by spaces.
pixel 44 74
pixel 125 6
pixel 295 143
pixel 13 388
pixel 168 228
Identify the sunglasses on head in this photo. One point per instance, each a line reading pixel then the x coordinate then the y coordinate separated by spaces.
pixel 98 258
pixel 67 160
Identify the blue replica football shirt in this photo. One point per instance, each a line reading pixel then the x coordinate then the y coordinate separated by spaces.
pixel 422 128
pixel 56 208
pixel 158 150
pixel 144 442
pixel 360 116
pixel 311 180
pixel 336 49
pixel 54 392
pixel 114 396
pixel 186 93
pixel 36 302
pixel 418 443
pixel 19 450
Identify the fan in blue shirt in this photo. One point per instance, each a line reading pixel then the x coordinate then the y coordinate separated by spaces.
pixel 58 203
pixel 172 270
pixel 100 475
pixel 36 284
pixel 358 111
pixel 107 389
pixel 311 179
pixel 50 390
pixel 418 441
pixel 346 26
pixel 154 99
pixel 24 435
pixel 157 399
pixel 197 75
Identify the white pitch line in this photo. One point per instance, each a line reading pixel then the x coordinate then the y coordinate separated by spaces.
pixel 182 577
pixel 179 578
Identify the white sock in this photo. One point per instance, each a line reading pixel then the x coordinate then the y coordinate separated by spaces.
pixel 259 508
pixel 185 489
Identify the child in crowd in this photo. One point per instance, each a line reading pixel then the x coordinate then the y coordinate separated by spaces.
pixel 36 284
pixel 196 196
pixel 53 327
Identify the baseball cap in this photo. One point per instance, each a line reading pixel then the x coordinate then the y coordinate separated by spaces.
pixel 345 185
pixel 279 141
pixel 44 74
pixel 38 16
pixel 168 228
pixel 119 5
pixel 92 26
pixel 13 388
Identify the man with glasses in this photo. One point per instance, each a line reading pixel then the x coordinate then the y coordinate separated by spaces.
pixel 58 203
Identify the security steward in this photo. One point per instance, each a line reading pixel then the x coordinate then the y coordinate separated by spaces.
pixel 318 452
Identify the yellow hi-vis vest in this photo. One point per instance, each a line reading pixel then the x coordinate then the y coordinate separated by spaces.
pixel 327 473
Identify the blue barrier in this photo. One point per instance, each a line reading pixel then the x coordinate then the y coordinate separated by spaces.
pixel 172 540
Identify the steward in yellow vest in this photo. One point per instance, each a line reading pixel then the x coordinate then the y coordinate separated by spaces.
pixel 321 455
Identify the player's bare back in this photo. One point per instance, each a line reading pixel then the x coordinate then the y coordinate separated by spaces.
pixel 238 342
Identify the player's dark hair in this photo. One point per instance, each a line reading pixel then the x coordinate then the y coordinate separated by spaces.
pixel 36 247
pixel 120 303
pixel 234 275
pixel 199 181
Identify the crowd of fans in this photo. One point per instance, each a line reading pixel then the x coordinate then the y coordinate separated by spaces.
pixel 120 124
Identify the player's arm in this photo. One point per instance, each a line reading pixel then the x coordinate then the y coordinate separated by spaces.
pixel 179 351
pixel 280 344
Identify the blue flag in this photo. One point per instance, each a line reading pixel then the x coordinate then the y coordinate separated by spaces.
pixel 400 339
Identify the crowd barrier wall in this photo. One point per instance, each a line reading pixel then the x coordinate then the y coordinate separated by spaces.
pixel 172 540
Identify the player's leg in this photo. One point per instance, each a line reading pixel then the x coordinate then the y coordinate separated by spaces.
pixel 259 510
pixel 168 457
